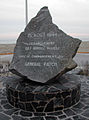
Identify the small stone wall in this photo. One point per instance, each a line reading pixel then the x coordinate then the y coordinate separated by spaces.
pixel 34 97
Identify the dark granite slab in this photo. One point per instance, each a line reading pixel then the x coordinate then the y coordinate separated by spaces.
pixel 43 51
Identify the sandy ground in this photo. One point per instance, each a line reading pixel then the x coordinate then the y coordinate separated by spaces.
pixel 7 48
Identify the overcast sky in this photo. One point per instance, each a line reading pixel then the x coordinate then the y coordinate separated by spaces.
pixel 72 16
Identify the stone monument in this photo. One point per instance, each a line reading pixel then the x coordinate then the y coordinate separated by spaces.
pixel 42 56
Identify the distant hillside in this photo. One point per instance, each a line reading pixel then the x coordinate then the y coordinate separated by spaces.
pixel 9 48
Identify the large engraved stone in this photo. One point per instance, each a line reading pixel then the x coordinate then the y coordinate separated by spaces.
pixel 43 51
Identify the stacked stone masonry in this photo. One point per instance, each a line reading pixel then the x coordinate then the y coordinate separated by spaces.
pixel 33 97
pixel 79 111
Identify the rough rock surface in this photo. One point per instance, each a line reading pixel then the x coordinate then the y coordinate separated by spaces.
pixel 44 98
pixel 43 51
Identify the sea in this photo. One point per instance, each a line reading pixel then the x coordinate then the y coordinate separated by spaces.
pixel 8 41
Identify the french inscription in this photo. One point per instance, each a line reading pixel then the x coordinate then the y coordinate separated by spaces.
pixel 38 64
pixel 43 51
pixel 50 64
pixel 32 64
pixel 42 35
pixel 42 46
pixel 37 35
pixel 41 56
pixel 39 43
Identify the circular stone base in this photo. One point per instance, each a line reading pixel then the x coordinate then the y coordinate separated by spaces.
pixel 36 97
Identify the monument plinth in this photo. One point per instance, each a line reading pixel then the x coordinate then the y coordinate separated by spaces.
pixel 43 53
pixel 52 97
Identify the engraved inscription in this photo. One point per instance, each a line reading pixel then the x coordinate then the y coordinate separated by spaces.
pixel 39 46
pixel 50 64
pixel 42 35
pixel 43 51
pixel 39 43
pixel 32 64
pixel 38 64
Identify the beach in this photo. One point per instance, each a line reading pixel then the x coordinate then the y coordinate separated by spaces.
pixel 6 48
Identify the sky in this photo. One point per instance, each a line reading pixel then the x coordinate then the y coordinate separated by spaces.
pixel 72 16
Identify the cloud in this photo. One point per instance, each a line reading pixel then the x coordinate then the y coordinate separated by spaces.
pixel 72 16
pixel 79 34
pixel 9 35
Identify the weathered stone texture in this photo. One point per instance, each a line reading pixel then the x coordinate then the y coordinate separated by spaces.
pixel 43 51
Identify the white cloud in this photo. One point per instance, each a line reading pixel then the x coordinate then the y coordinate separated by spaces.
pixel 72 16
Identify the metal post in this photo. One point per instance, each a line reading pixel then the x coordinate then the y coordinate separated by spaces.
pixel 26 7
